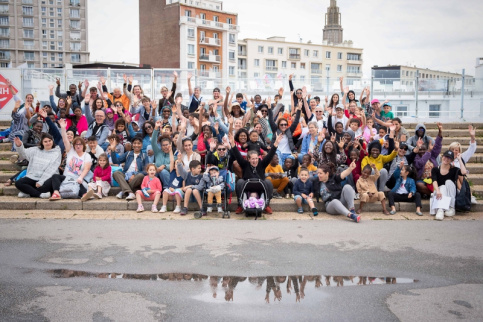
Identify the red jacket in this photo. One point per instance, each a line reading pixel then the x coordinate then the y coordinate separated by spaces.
pixel 104 174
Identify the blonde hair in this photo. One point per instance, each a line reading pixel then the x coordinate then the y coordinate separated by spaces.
pixel 454 145
pixel 151 165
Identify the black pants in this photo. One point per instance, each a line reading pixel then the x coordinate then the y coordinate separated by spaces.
pixel 28 186
pixel 288 187
pixel 392 196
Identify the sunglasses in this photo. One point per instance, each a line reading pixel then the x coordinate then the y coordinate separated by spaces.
pixel 298 93
pixel 264 111
pixel 318 111
pixel 148 127
pixel 221 149
pixel 285 124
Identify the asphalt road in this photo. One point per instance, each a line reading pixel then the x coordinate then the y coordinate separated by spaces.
pixel 119 270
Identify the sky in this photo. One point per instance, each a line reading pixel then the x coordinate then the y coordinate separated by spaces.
pixel 445 35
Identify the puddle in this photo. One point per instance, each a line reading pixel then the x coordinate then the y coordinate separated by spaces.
pixel 244 289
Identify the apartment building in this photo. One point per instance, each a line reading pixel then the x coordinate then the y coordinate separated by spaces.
pixel 189 34
pixel 310 63
pixel 43 33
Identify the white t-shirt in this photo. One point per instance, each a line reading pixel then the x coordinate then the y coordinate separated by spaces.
pixel 402 189
pixel 283 146
pixel 133 166
pixel 75 164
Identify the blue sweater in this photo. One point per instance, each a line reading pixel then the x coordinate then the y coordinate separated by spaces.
pixel 300 187
pixel 410 185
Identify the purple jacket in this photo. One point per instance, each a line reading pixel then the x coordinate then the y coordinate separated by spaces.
pixel 419 161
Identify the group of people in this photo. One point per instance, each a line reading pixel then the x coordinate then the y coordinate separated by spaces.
pixel 338 150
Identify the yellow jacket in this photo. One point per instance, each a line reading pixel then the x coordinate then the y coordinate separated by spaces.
pixel 379 161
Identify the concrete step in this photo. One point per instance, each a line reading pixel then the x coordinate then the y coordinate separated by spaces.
pixel 6 165
pixel 114 204
pixel 449 126
pixel 450 133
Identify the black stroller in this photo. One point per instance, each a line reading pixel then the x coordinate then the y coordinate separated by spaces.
pixel 254 185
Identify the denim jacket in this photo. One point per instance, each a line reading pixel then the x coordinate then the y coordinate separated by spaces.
pixel 128 157
pixel 410 185
pixel 306 144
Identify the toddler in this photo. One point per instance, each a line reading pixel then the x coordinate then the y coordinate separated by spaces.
pixel 101 182
pixel 214 184
pixel 150 189
pixel 190 180
pixel 366 186
pixel 175 184
pixel 303 192
pixel 290 167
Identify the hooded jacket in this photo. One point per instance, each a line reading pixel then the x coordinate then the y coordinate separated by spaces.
pixel 43 164
pixel 419 162
pixel 414 139
pixel 207 181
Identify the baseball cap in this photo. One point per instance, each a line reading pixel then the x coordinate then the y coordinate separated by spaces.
pixel 449 154
pixel 388 104
pixel 339 106
pixel 374 101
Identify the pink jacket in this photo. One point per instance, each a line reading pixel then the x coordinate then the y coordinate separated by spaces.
pixel 104 174
pixel 153 184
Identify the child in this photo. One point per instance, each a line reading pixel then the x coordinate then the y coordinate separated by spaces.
pixel 119 148
pixel 254 201
pixel 355 128
pixel 381 134
pixel 404 190
pixel 276 175
pixel 386 113
pixel 190 180
pixel 355 155
pixel 150 189
pixel 307 164
pixel 101 182
pixel 124 136
pixel 214 184
pixel 94 150
pixel 175 185
pixel 302 190
pixel 366 186
pixel 239 100
pixel 369 130
pixel 290 167
pixel 254 144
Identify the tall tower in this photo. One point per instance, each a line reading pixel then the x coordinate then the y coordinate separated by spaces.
pixel 333 29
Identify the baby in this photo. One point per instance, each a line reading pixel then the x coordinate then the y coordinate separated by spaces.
pixel 254 201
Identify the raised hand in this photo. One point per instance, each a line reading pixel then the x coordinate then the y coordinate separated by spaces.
pixel 131 79
pixel 86 83
pixel 401 164
pixel 79 86
pixel 269 101
pixel 472 130
pixel 57 81
pixel 175 74
pixel 51 87
pixel 279 139
pixel 232 139
pixel 157 125
pixel 212 145
pixel 419 143
pixel 62 123
pixel 321 137
pixel 124 77
pixel 373 166
pixel 332 138
pixel 326 99
pixel 341 79
pixel 440 126
pixel 228 90
pixel 189 76
pixel 43 113
pixel 346 89
pixel 280 91
pixel 341 143
pixel 392 128
pixel 353 165
pixel 259 114
pixel 69 100
pixel 299 105
pixel 290 77
pixel 103 80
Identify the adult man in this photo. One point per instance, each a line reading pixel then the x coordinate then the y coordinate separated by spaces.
pixel 132 175
pixel 77 98
pixel 99 129
pixel 117 95
pixel 195 96
pixel 254 168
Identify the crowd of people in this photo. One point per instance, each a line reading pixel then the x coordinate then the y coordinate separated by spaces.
pixel 335 150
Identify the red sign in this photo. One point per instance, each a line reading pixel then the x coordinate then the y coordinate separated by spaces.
pixel 5 94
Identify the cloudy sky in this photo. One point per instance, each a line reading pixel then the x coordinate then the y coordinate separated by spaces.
pixel 445 35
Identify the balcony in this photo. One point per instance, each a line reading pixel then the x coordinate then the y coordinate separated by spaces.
pixel 242 67
pixel 209 73
pixel 5 56
pixel 5 34
pixel 210 41
pixel 74 3
pixel 316 71
pixel 210 58
pixel 354 74
pixel 294 56
pixel 28 46
pixel 208 23
pixel 242 53
pixel 271 68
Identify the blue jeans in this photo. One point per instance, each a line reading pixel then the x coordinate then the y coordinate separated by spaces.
pixel 283 156
pixel 163 175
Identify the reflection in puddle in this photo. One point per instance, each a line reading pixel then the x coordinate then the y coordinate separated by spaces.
pixel 295 286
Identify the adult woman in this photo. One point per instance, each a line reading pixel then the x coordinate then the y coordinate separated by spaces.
pixel 286 146
pixel 310 141
pixel 136 95
pixel 165 100
pixel 241 137
pixel 77 121
pixel 61 103
pixel 445 178
pixel 44 162
pixel 456 148
pixel 327 186
pixel 185 147
pixel 328 153
pixel 77 166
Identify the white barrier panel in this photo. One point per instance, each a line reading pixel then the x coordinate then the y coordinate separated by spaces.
pixel 6 97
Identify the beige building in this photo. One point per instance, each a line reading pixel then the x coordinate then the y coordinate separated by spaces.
pixel 43 33
pixel 310 63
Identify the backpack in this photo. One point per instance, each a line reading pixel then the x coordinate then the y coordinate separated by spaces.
pixel 230 181
pixel 463 197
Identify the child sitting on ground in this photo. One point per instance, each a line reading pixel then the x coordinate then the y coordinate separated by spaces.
pixel 355 128
pixel 214 184
pixel 307 164
pixel 366 186
pixel 277 177
pixel 303 193
pixel 404 190
pixel 150 189
pixel 101 182
pixel 190 180
pixel 254 201
pixel 175 185
pixel 290 167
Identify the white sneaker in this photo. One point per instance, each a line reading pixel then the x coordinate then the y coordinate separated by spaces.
pixel 163 209
pixel 23 195
pixel 220 210
pixel 473 200
pixel 120 195
pixel 357 197
pixel 45 195
pixel 177 209
pixel 131 196
pixel 450 212
pixel 209 209
pixel 440 214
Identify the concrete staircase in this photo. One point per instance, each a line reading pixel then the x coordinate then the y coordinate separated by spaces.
pixel 452 132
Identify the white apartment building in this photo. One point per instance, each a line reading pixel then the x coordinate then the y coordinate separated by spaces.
pixel 43 33
pixel 311 64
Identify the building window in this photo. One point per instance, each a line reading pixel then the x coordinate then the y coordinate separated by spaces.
pixel 75 24
pixel 327 54
pixel 30 65
pixel 28 55
pixel 302 78
pixel 75 35
pixel 353 56
pixel 4 54
pixel 52 57
pixel 4 21
pixel 28 21
pixel 401 111
pixel 60 44
pixel 270 50
pixel 44 65
pixel 280 51
pixel 434 110
pixel 216 18
pixel 229 21
pixel 302 65
pixel 4 43
pixel 28 44
pixel 316 53
pixel 231 70
pixel 306 52
pixel 256 74
pixel 28 33
pixel 203 16
pixel 59 23
pixel 44 54
pixel 60 56
pixel 353 69
pixel 75 46
pixel 75 58
pixel 4 8
pixel 339 68
pixel 191 65
pixel 339 55
pixel 28 11
pixel 260 49
pixel 271 64
pixel 231 55
pixel 5 32
pixel 284 64
pixel 327 68
pixel 44 46
pixel 256 62
pixel 191 33
pixel 293 65
pixel 44 22
pixel 187 13
pixel 191 50
pixel 232 39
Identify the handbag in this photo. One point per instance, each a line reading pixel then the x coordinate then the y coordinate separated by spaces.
pixel 69 188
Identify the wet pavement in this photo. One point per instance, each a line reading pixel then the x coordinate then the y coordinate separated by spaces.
pixel 125 270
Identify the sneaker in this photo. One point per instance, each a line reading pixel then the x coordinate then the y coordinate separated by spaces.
pixel 473 200
pixel 315 211
pixel 154 208
pixel 88 195
pixel 177 209
pixel 120 195
pixel 440 214
pixel 45 195
pixel 353 211
pixel 140 208
pixel 291 196
pixel 14 158
pixel 357 197
pixel 300 210
pixel 23 195
pixel 131 196
pixel 184 211
pixel 163 209
pixel 268 210
pixel 287 196
pixel 276 195
pixel 355 217
pixel 450 212
pixel 419 213
pixel 209 209
pixel 98 195
pixel 220 210
pixel 239 210
pixel 392 212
